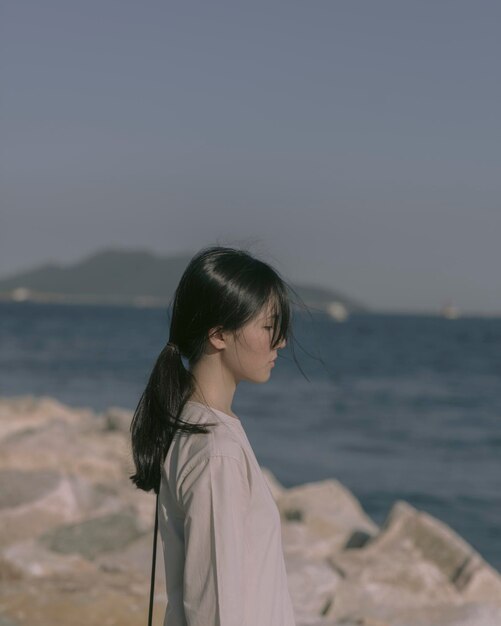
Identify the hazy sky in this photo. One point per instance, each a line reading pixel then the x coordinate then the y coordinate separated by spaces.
pixel 356 145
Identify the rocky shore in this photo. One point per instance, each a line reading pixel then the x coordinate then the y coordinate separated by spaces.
pixel 76 538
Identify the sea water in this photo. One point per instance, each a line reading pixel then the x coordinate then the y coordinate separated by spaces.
pixel 395 406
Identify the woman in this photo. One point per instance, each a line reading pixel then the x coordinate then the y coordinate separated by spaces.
pixel 219 524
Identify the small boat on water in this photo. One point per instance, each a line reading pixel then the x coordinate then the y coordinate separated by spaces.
pixel 449 311
pixel 337 311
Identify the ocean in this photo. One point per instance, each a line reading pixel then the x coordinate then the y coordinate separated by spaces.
pixel 394 406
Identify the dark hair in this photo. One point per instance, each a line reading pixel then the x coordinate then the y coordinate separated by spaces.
pixel 221 288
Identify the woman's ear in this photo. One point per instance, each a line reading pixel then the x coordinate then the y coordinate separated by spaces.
pixel 217 338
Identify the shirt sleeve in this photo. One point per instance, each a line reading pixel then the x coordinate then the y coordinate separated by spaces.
pixel 215 496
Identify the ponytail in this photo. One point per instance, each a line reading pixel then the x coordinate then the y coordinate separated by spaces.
pixel 156 418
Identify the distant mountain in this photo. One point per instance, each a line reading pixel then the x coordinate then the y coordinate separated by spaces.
pixel 135 277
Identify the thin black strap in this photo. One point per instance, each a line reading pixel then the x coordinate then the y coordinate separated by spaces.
pixel 153 559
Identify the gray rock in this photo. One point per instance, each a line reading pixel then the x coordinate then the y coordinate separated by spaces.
pixel 21 486
pixel 30 559
pixel 137 556
pixel 94 536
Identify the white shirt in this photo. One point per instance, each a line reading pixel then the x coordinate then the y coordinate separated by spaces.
pixel 220 529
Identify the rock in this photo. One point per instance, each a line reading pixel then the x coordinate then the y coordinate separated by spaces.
pixel 76 538
pixel 5 621
pixel 480 582
pixel 21 486
pixel 416 562
pixel 434 540
pixel 116 418
pixel 92 537
pixel 383 584
pixel 96 599
pixel 32 517
pixel 329 511
pixel 298 538
pixel 29 413
pixel 9 571
pixel 71 499
pixel 437 543
pixel 312 585
pixel 470 614
pixel 80 448
pixel 137 556
pixel 31 559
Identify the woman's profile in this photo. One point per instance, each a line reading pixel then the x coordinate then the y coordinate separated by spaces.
pixel 219 524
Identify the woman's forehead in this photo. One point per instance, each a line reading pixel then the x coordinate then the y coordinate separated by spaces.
pixel 265 315
pixel 268 312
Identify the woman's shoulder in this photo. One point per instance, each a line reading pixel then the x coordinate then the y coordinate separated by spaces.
pixel 189 449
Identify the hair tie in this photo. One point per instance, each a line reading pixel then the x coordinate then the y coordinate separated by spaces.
pixel 171 344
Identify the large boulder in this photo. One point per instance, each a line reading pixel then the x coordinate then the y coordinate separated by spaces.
pixel 107 533
pixel 416 562
pixel 436 542
pixel 329 513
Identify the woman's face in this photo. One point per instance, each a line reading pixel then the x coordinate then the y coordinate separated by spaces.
pixel 249 354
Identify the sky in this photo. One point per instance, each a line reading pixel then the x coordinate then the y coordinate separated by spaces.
pixel 353 144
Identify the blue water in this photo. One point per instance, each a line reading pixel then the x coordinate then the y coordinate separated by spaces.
pixel 396 406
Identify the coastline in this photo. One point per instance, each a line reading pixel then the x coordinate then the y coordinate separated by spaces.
pixel 73 525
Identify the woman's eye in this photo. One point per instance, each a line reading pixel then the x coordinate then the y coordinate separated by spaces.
pixel 269 327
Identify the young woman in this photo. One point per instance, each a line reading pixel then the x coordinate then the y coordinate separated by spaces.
pixel 219 524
